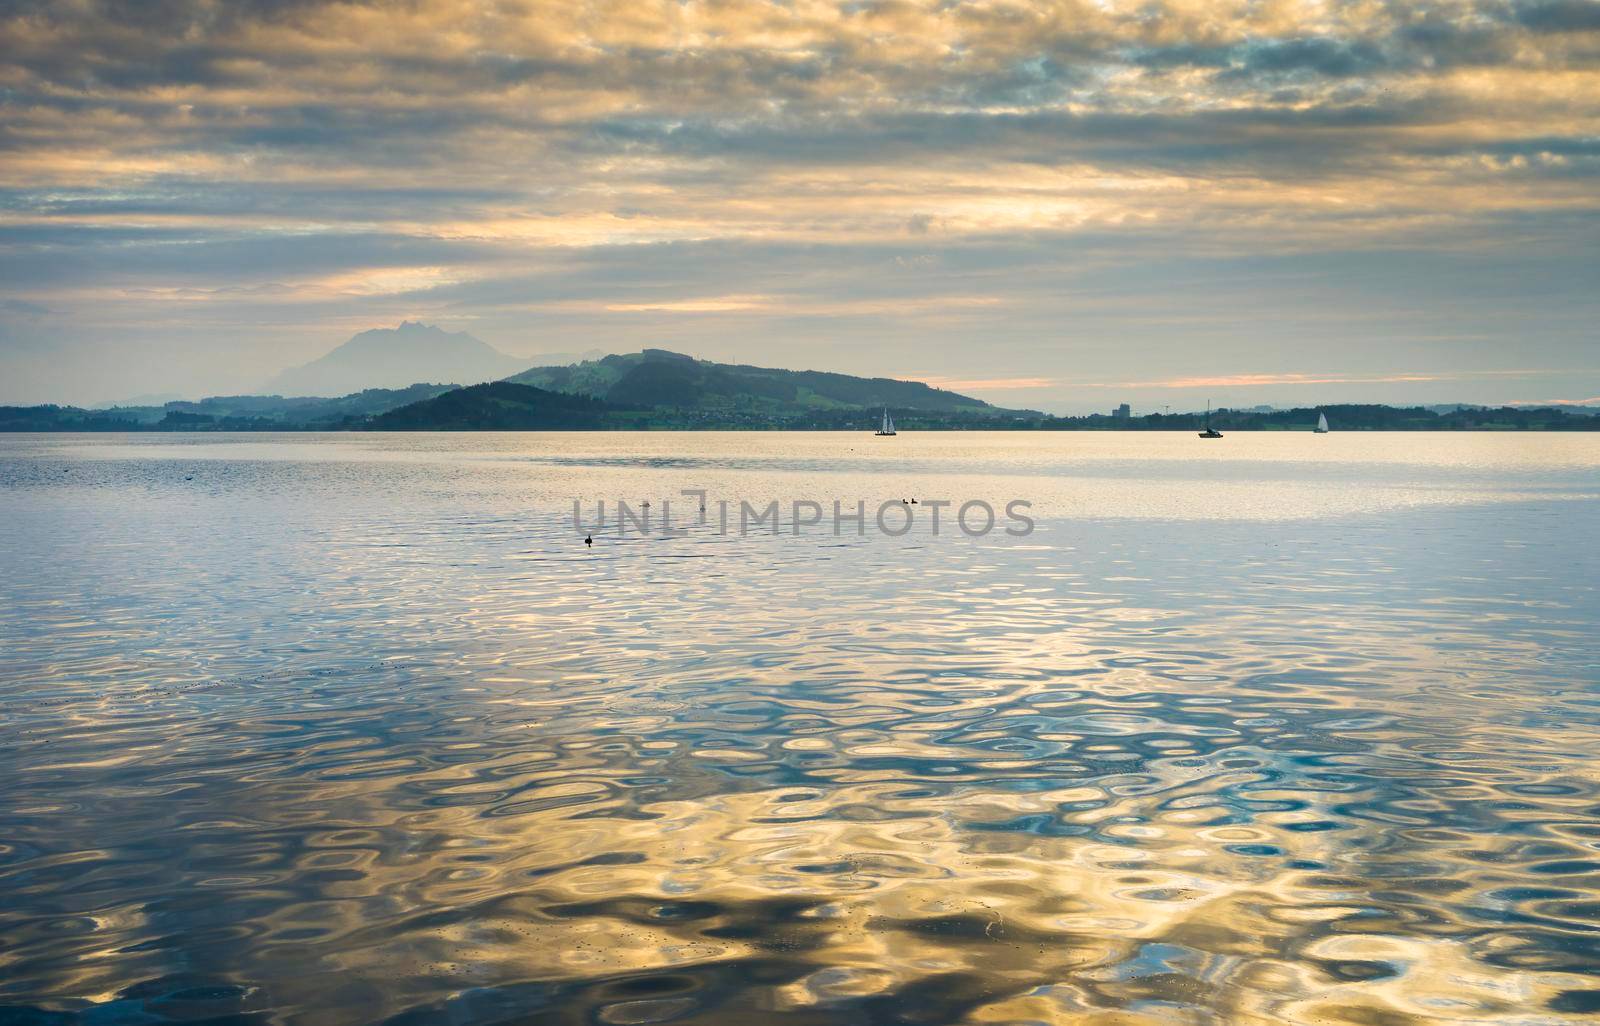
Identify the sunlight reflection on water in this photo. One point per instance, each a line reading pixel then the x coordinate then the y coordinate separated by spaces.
pixel 351 728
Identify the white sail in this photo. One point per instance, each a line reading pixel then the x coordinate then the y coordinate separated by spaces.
pixel 1322 423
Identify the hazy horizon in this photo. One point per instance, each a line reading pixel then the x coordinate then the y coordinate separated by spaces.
pixel 271 388
pixel 1058 207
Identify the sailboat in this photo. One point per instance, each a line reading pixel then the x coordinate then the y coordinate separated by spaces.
pixel 887 431
pixel 1210 432
pixel 1322 424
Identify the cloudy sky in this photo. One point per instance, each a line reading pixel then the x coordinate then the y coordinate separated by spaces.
pixel 1053 205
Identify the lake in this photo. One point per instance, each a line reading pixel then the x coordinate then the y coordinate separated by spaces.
pixel 345 728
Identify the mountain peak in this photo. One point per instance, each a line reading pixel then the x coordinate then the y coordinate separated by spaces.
pixel 395 358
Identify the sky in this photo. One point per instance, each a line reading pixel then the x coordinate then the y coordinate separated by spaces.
pixel 1055 206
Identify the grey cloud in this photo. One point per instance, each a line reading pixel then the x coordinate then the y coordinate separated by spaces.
pixel 1318 54
pixel 1262 136
pixel 1436 42
pixel 1263 63
pixel 168 195
pixel 39 255
pixel 23 308
pixel 1561 16
pixel 1179 55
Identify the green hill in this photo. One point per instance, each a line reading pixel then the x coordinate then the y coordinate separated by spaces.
pixel 658 378
pixel 495 406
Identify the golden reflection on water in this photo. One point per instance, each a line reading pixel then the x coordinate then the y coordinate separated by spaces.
pixel 348 731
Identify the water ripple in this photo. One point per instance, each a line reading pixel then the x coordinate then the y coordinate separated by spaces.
pixel 402 755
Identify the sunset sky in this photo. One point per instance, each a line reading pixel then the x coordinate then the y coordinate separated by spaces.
pixel 1059 206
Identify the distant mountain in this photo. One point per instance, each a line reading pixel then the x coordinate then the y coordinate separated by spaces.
pixel 223 413
pixel 496 406
pixel 658 378
pixel 306 411
pixel 395 358
pixel 149 399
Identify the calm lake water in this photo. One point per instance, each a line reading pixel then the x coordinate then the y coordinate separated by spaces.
pixel 354 728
